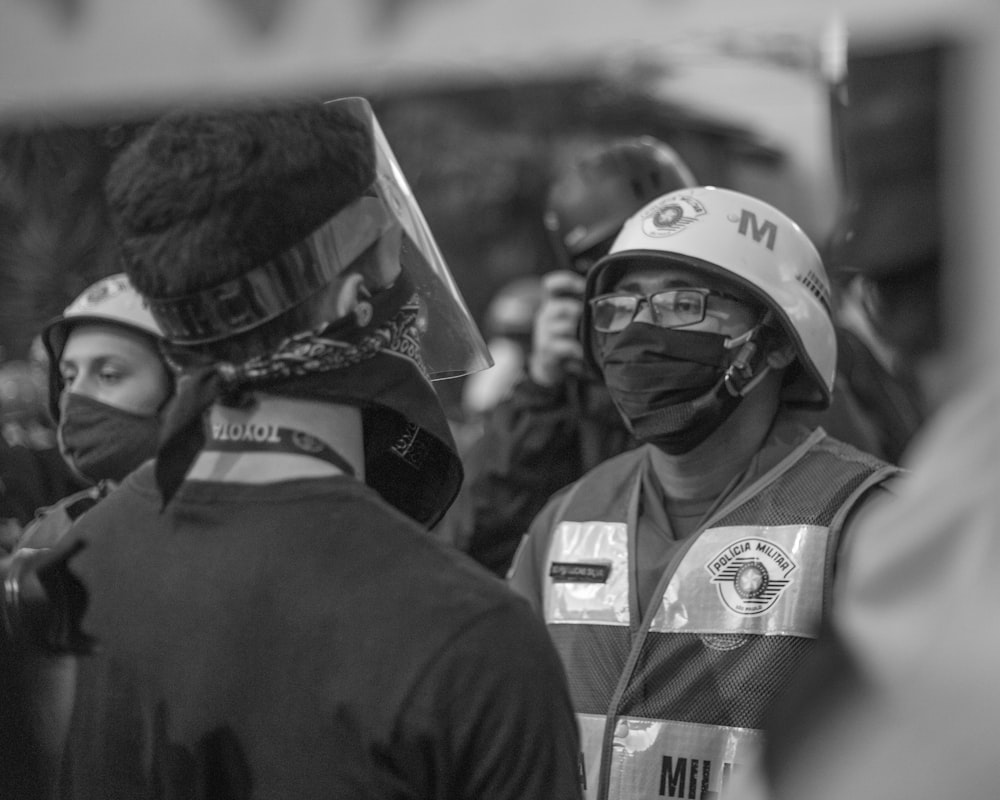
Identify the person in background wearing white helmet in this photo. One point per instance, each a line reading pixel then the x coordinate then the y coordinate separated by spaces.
pixel 261 611
pixel 684 582
pixel 558 422
pixel 108 387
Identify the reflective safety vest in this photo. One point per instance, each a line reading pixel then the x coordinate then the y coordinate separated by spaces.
pixel 670 705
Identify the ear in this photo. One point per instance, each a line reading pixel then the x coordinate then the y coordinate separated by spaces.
pixel 348 295
pixel 781 356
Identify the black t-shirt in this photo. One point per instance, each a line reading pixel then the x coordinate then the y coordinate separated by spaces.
pixel 301 640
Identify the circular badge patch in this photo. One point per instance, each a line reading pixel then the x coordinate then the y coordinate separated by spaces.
pixel 751 580
pixel 672 216
pixel 751 574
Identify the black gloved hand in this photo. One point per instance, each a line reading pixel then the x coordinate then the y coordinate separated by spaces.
pixel 43 602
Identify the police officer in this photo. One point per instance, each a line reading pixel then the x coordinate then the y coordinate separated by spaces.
pixel 684 581
pixel 265 613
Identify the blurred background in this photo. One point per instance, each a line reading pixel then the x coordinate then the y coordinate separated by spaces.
pixel 870 126
pixel 873 123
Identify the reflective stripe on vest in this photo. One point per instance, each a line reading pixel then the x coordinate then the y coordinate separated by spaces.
pixel 730 581
pixel 744 579
pixel 598 597
pixel 657 758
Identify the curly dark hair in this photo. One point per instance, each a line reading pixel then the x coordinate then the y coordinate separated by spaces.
pixel 203 196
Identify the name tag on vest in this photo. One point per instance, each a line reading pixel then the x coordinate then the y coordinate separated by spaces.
pixel 565 572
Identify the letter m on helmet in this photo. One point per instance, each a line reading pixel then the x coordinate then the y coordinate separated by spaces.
pixel 748 221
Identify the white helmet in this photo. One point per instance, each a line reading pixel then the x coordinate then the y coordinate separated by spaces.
pixel 111 300
pixel 743 239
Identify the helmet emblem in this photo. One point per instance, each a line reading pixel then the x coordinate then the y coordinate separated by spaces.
pixel 101 291
pixel 672 216
pixel 750 575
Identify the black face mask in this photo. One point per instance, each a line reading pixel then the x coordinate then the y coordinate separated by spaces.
pixel 669 385
pixel 102 442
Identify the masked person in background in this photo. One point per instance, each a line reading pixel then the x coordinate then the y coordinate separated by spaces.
pixel 262 612
pixel 108 387
pixel 684 582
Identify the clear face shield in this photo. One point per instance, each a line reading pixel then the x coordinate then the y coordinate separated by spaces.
pixel 451 343
pixel 387 227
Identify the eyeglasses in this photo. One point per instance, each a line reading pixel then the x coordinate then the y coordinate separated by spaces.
pixel 672 308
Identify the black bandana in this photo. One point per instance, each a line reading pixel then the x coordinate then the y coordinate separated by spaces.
pixel 296 368
pixel 313 352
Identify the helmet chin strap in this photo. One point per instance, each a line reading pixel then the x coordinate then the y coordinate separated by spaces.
pixel 740 378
